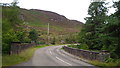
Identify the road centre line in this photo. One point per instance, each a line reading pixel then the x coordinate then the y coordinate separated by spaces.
pixel 50 52
pixel 63 61
pixel 60 52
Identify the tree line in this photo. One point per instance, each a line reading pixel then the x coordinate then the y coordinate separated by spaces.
pixel 12 30
pixel 102 31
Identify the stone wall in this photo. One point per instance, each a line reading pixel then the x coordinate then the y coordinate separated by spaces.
pixel 17 47
pixel 88 55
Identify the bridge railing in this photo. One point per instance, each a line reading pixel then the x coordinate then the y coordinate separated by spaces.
pixel 88 55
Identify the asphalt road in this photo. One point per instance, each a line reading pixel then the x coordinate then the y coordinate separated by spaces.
pixel 52 56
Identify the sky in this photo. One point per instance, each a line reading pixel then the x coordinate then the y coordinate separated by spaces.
pixel 71 9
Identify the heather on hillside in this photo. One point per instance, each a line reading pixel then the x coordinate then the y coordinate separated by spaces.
pixel 25 26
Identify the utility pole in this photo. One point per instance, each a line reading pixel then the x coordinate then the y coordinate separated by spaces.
pixel 48 33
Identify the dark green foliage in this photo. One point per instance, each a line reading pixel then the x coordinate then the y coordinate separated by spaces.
pixel 71 38
pixel 9 25
pixel 33 35
pixel 53 41
pixel 92 29
pixel 112 31
pixel 22 36
pixel 11 28
pixel 102 32
pixel 81 46
pixel 41 42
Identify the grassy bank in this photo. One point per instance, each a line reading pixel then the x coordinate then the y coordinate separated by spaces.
pixel 104 64
pixel 25 55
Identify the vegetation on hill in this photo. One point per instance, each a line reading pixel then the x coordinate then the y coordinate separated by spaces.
pixel 11 27
pixel 10 21
pixel 22 25
pixel 101 31
pixel 60 26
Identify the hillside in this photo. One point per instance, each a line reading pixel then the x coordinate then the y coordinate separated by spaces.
pixel 59 24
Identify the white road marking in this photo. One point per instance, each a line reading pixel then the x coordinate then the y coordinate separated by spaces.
pixel 60 52
pixel 63 61
pixel 50 52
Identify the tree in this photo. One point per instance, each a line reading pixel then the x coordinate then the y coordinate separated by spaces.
pixel 94 23
pixel 102 32
pixel 112 31
pixel 117 31
pixel 53 41
pixel 11 27
pixel 33 35
pixel 10 22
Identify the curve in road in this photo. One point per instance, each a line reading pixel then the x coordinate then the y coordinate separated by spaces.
pixel 52 56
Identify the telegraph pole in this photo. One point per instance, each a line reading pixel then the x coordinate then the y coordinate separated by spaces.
pixel 48 32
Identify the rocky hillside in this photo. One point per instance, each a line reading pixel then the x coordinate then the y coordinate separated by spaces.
pixel 59 24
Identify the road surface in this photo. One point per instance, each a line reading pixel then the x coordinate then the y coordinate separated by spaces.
pixel 52 56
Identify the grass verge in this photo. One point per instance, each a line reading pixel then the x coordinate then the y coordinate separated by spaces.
pixel 8 60
pixel 104 64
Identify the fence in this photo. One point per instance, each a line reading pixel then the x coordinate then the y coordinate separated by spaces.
pixel 88 55
pixel 17 47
